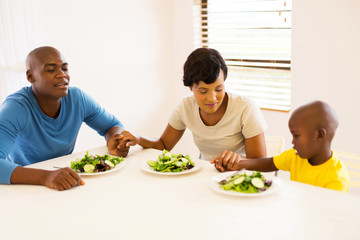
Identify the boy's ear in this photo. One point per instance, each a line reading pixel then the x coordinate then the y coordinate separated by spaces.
pixel 321 133
pixel 29 76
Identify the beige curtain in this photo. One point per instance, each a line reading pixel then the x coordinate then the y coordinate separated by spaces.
pixel 20 32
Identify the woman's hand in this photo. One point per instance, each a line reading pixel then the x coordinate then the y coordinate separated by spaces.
pixel 119 144
pixel 129 138
pixel 228 161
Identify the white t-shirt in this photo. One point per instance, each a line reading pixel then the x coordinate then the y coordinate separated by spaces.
pixel 242 119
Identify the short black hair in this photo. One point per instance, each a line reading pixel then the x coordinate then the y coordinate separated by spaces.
pixel 203 64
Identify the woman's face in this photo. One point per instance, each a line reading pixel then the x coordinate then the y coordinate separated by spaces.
pixel 209 97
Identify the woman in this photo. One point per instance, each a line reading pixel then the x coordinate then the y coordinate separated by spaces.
pixel 222 123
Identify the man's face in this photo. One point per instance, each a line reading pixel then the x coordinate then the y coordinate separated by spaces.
pixel 49 75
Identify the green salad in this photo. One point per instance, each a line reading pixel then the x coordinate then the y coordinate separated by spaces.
pixel 242 182
pixel 169 162
pixel 94 164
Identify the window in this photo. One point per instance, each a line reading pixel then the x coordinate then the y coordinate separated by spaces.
pixel 254 38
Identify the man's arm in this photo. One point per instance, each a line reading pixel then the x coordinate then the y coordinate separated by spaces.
pixel 61 179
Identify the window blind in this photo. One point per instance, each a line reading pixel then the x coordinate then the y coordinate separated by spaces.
pixel 254 38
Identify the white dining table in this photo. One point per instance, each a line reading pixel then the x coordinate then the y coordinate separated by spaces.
pixel 134 204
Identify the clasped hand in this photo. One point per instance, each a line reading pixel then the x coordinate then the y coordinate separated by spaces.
pixel 228 161
pixel 119 144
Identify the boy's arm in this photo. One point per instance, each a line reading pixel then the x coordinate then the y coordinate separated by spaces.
pixel 230 161
pixel 61 179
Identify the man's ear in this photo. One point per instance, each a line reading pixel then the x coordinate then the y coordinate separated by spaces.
pixel 321 134
pixel 29 76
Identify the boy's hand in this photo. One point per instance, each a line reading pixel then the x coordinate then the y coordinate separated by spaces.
pixel 228 161
pixel 63 179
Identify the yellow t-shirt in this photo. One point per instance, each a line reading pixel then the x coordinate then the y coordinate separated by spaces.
pixel 331 174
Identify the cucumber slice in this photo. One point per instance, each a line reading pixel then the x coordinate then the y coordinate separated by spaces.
pixel 257 182
pixel 184 160
pixel 167 155
pixel 179 164
pixel 88 168
pixel 109 163
pixel 239 180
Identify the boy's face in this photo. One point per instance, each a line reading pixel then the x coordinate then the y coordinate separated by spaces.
pixel 304 137
pixel 49 75
pixel 209 97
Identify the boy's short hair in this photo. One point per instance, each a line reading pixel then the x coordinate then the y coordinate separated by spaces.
pixel 203 64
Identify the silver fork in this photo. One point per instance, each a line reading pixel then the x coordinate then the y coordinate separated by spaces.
pixel 228 177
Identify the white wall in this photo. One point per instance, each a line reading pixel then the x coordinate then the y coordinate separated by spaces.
pixel 129 55
pixel 325 60
pixel 120 52
pixel 325 51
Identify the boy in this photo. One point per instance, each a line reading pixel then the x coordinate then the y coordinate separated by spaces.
pixel 42 122
pixel 311 160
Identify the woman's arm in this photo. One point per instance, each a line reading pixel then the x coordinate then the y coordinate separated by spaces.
pixel 168 139
pixel 255 147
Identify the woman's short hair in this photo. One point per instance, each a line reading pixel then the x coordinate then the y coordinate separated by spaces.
pixel 203 64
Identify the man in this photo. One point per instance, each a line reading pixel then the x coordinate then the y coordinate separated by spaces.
pixel 42 122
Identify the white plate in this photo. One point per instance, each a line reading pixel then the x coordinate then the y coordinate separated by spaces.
pixel 214 185
pixel 145 167
pixel 117 167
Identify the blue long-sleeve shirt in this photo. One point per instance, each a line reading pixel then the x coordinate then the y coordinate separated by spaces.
pixel 27 135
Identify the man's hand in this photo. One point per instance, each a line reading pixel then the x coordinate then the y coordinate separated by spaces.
pixel 117 145
pixel 119 141
pixel 63 179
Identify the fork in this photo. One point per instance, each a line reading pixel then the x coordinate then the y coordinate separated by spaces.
pixel 228 177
